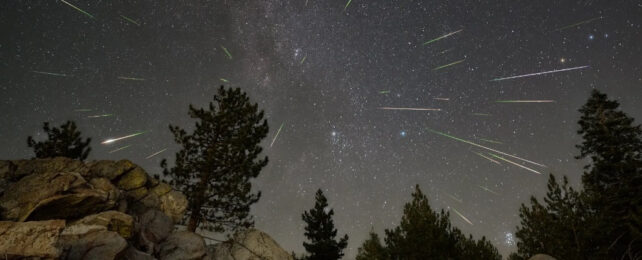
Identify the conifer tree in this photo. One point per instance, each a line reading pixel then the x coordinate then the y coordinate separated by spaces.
pixel 372 249
pixel 320 232
pixel 218 160
pixel 64 141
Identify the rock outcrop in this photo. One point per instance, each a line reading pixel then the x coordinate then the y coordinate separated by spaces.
pixel 251 244
pixel 61 208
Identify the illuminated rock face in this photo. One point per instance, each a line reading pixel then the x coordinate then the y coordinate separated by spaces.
pixel 250 245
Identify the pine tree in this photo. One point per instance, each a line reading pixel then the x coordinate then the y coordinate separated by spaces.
pixel 320 232
pixel 556 227
pixel 64 141
pixel 426 234
pixel 218 160
pixel 371 249
pixel 613 180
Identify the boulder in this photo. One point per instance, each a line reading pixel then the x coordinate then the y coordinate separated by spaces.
pixel 93 244
pixel 182 245
pixel 174 205
pixel 152 228
pixel 23 168
pixel 542 257
pixel 103 184
pixel 30 239
pixel 137 194
pixel 251 244
pixel 21 197
pixel 110 169
pixel 69 206
pixel 112 220
pixel 133 179
pixel 161 189
pixel 131 253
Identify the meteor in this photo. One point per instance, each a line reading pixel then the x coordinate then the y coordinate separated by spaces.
pixel 97 116
pixel 78 9
pixel 448 65
pixel 225 80
pixel 302 60
pixel 454 198
pixel 480 114
pixel 229 55
pixel 540 73
pixel 462 216
pixel 384 92
pixel 121 148
pixel 156 153
pixel 277 134
pixel 578 23
pixel 525 101
pixel 487 189
pixel 487 158
pixel 442 99
pixel 109 141
pixel 50 73
pixel 130 20
pixel 410 108
pixel 490 141
pixel 484 147
pixel 514 163
pixel 130 78
pixel 346 7
pixel 442 37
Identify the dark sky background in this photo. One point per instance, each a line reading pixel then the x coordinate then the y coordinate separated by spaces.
pixel 320 71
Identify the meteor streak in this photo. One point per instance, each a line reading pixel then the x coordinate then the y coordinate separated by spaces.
pixel 130 20
pixel 448 65
pixel 484 147
pixel 121 148
pixel 156 153
pixel 490 141
pixel 487 158
pixel 454 198
pixel 78 9
pixel 346 7
pixel 480 114
pixel 487 189
pixel 130 78
pixel 229 55
pixel 97 116
pixel 302 60
pixel 410 108
pixel 277 134
pixel 50 73
pixel 442 37
pixel 109 141
pixel 514 163
pixel 462 216
pixel 525 101
pixel 440 98
pixel 384 92
pixel 577 24
pixel 540 73
pixel 225 80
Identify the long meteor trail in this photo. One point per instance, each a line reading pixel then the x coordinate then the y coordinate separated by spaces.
pixel 484 147
pixel 50 73
pixel 514 163
pixel 130 20
pixel 103 115
pixel 131 78
pixel 487 158
pixel 119 149
pixel 277 134
pixel 410 108
pixel 442 37
pixel 448 65
pixel 578 24
pixel 229 55
pixel 487 189
pixel 78 9
pixel 540 73
pixel 156 153
pixel 109 141
pixel 462 216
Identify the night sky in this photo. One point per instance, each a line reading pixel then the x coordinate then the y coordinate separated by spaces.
pixel 324 71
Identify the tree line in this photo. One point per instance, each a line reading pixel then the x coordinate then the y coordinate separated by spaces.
pixel 220 157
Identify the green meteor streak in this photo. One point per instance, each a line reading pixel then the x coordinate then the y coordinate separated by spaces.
pixel 514 163
pixel 130 78
pixel 130 20
pixel 442 37
pixel 346 7
pixel 304 59
pixel 578 23
pixel 156 153
pixel 384 92
pixel 226 52
pixel 484 147
pixel 103 115
pixel 448 65
pixel 487 189
pixel 50 73
pixel 225 80
pixel 277 134
pixel 490 141
pixel 78 9
pixel 121 148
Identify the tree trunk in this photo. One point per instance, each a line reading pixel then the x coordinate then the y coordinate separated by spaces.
pixel 195 217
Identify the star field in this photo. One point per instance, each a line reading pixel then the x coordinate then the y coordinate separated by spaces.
pixel 323 73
